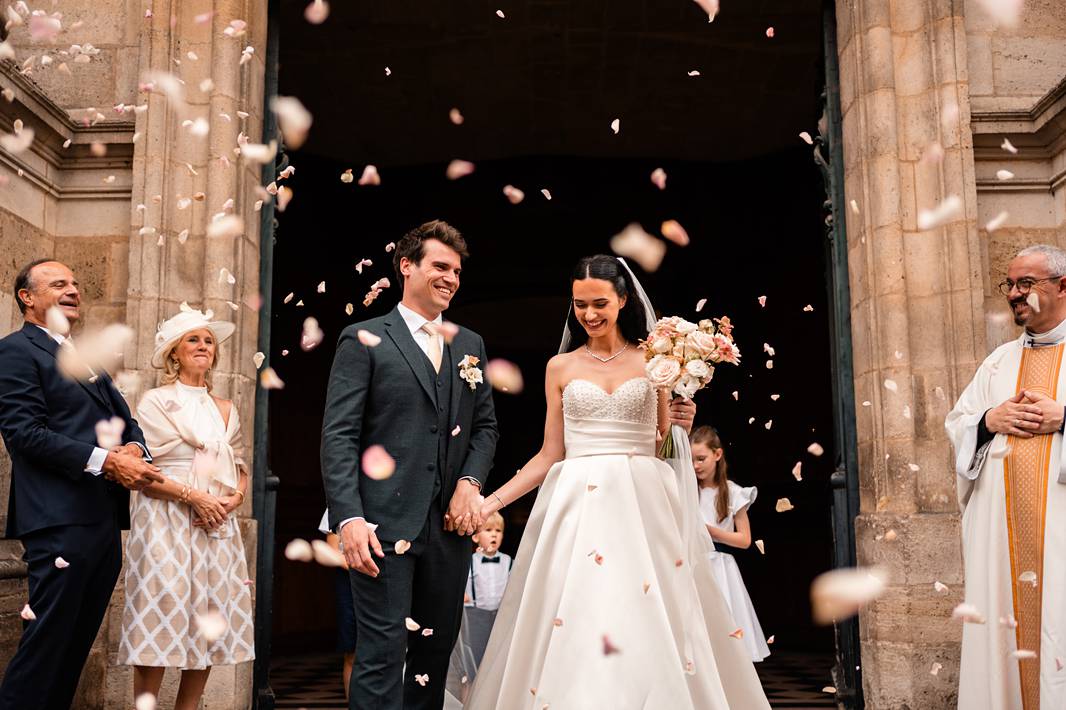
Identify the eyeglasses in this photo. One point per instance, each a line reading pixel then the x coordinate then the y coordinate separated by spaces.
pixel 1024 285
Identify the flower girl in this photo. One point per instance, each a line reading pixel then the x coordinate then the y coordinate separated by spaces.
pixel 724 505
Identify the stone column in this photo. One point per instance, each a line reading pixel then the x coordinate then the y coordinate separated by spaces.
pixel 172 260
pixel 917 325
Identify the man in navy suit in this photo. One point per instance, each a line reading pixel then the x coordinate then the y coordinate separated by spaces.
pixel 68 496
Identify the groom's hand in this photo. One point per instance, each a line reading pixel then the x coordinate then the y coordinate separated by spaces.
pixel 358 540
pixel 464 509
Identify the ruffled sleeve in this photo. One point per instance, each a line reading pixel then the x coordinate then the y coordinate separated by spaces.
pixel 740 498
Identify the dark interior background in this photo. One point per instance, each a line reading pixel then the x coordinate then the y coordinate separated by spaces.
pixel 539 90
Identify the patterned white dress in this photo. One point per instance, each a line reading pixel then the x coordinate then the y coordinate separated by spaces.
pixel 177 573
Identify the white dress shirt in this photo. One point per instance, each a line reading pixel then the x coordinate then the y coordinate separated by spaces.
pixel 414 323
pixel 488 580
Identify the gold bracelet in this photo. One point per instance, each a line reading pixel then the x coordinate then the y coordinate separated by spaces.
pixel 240 493
pixel 185 491
pixel 502 504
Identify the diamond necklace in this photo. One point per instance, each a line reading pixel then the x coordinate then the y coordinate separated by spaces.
pixel 609 358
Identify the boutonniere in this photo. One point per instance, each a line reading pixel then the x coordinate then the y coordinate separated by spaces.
pixel 469 371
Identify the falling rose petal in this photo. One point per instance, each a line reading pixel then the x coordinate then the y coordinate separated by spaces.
pixel 401 547
pixel 109 432
pixel 1023 654
pixel 943 213
pixel 1005 12
pixel 60 563
pixel 694 72
pixel 56 321
pixel 762 301
pixel 608 647
pixel 1058 663
pixel 16 143
pixel 808 308
pixel 370 176
pixel 226 226
pixel 258 359
pixel 736 395
pixel 1028 577
pixel 145 701
pixel 770 32
pixel 673 231
pixel 211 625
pixel 783 505
pixel 738 634
pixel 854 206
pixel 840 593
pixel 940 587
pixel 514 195
pixel 456 116
pixel 710 7
pixel 751 420
pixel 891 385
pixel 933 154
pixel 1004 175
pixel 367 338
pixel 458 168
pixel 347 177
pixel 761 546
pixel 388 72
pixel 97 351
pixel 456 430
pixel 829 689
pixel 411 624
pixel 259 153
pixel 1008 621
pixel 815 449
pixel 769 364
pixel 806 138
pixel 317 12
pixel 389 247
pixel 312 335
pixel 362 262
pixel 299 550
pixel 914 467
pixel 224 276
pixel 633 242
pixel 967 613
pixel 422 679
pixel 269 379
pixel 321 288
pixel 775 397
pixel 996 222
pixel 1033 301
pixel 935 669
pixel 658 177
pixel 326 555
pixel 294 119
pixel 27 613
pixel 700 304
pixel 547 194
pixel 891 535
pixel 288 297
pixel 427 632
pixel 504 376
pixel 377 464
pixel 1008 146
pixel 348 308
pixel 499 14
pixel 284 197
pixel 616 125
pixel 797 471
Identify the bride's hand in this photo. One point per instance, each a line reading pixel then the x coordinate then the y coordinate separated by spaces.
pixel 682 412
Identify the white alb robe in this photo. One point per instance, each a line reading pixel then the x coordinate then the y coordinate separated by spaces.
pixel 989 678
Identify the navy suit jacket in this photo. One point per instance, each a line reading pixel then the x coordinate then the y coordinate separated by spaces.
pixel 48 423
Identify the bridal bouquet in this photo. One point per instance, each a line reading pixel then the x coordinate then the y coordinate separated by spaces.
pixel 681 355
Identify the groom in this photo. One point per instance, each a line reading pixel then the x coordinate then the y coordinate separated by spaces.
pixel 410 394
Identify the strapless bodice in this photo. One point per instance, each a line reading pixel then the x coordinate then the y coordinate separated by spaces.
pixel 596 422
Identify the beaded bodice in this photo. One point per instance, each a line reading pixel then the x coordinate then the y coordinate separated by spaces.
pixel 634 401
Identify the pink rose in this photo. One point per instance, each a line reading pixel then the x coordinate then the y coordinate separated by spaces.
pixel 662 371
pixel 702 344
pixel 698 369
pixel 685 327
pixel 727 351
pixel 661 345
pixel 687 385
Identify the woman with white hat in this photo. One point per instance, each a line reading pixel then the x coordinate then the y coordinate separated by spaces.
pixel 188 603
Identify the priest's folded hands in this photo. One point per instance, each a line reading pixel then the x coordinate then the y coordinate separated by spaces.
pixel 1025 415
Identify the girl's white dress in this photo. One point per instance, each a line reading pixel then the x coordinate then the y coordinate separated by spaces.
pixel 611 601
pixel 726 572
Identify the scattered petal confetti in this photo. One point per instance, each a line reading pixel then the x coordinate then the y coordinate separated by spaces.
pixel 1023 654
pixel 1028 577
pixel 499 14
pixel 61 563
pixel 797 471
pixel 940 587
pixel 504 376
pixel 326 555
pixel 829 689
pixel 411 624
pixel 933 154
pixel 762 301
pixel 17 142
pixel 56 321
pixel 891 535
pixel 1008 146
pixel 808 308
pixel 783 505
pixel 616 125
pixel 370 176
pixel 1004 175
pixel 299 550
pixel 401 547
pixel 547 194
pixel 738 634
pixel 658 176
pixel 700 304
pixel 1058 663
pixel 145 701
pixel 854 206
pixel 388 72
pixel 1005 12
pixel 293 119
pixel 1009 621
pixel 694 72
pixel 514 195
pixel 840 593
pixel 996 222
pixel 891 386
pixel 1033 301
pixel 288 297
pixel 775 397
pixel 367 338
pixel 943 213
pixel 317 12
pixel 815 449
pixel 633 242
pixel 348 309
pixel 422 679
pixel 321 288
pixel 646 587
pixel 347 177
pixel 312 335
pixel 226 226
pixel 608 647
pixel 710 7
pixel 761 546
pixel 458 168
pixel 770 32
pixel 427 632
pixel 591 488
pixel 769 423
pixel 27 613
pixel 673 231
pixel 109 432
pixel 269 379
pixel 769 364
pixel 806 137
pixel 456 430
pixel 258 359
pixel 377 464
pixel 967 613
pixel 914 467
pixel 211 625
pixel 389 247
pixel 456 117
pixel 935 669
pixel 736 395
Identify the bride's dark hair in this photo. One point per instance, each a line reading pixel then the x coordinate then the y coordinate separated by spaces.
pixel 630 317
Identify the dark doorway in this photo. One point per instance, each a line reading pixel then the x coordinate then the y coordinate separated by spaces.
pixel 539 90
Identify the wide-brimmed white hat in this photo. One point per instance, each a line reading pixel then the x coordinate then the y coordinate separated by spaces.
pixel 171 330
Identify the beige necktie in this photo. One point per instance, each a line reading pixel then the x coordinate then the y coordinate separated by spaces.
pixel 433 351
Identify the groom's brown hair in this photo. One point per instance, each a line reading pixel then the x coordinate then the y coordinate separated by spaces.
pixel 412 245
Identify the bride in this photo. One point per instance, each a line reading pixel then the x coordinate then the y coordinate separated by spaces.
pixel 611 602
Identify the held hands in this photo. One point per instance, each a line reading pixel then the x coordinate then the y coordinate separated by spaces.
pixel 682 412
pixel 464 510
pixel 209 509
pixel 130 470
pixel 357 541
pixel 1024 415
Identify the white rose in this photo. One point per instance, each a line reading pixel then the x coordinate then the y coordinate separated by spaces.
pixel 701 344
pixel 661 345
pixel 662 371
pixel 687 386
pixel 697 369
pixel 684 327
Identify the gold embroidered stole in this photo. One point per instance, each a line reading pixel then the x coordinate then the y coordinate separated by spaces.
pixel 1025 477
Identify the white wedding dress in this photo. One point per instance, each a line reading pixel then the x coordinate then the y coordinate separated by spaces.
pixel 611 602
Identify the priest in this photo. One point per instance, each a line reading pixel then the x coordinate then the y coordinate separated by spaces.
pixel 1007 430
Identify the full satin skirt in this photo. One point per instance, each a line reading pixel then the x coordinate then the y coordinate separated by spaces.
pixel 606 609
